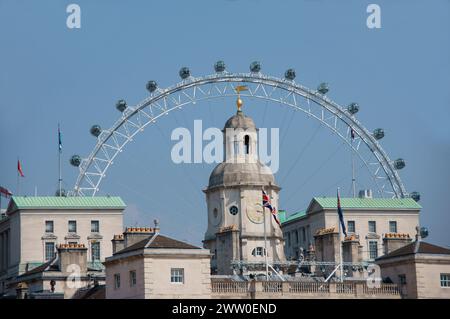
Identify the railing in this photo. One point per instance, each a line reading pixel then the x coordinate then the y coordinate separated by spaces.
pixel 309 287
pixel 299 289
pixel 345 288
pixel 384 289
pixel 272 286
pixel 229 287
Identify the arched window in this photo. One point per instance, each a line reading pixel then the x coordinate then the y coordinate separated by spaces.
pixel 258 251
pixel 247 144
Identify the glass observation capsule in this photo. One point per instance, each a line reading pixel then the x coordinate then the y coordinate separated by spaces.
pixel 96 130
pixel 255 67
pixel 219 66
pixel 121 105
pixel 184 73
pixel 378 133
pixel 323 88
pixel 151 86
pixel 399 163
pixel 75 160
pixel 424 232
pixel 62 194
pixel 353 108
pixel 415 196
pixel 289 74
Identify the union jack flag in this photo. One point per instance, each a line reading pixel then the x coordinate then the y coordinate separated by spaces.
pixel 266 203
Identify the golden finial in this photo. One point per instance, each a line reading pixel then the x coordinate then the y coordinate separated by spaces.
pixel 239 101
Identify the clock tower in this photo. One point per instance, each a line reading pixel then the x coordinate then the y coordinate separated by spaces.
pixel 236 230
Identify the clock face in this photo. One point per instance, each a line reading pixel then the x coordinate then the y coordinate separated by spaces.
pixel 234 210
pixel 255 214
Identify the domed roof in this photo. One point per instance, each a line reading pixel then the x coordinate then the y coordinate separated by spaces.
pixel 239 120
pixel 229 174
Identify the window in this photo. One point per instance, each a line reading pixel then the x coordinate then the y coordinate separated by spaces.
pixel 49 226
pixel 351 226
pixel 72 226
pixel 247 144
pixel 372 226
pixel 392 226
pixel 132 278
pixel 49 250
pixel 258 251
pixel 373 249
pixel 95 251
pixel 296 236
pixel 402 279
pixel 289 239
pixel 116 281
pixel 445 280
pixel 234 210
pixel 304 234
pixel 95 226
pixel 177 275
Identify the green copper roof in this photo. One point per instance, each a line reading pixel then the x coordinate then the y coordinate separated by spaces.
pixel 293 216
pixel 369 203
pixel 23 202
pixel 356 203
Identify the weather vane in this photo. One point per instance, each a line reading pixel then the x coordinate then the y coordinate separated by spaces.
pixel 239 102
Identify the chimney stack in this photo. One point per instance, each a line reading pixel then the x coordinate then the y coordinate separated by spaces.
pixel 72 254
pixel 156 221
pixel 118 243
pixel 133 235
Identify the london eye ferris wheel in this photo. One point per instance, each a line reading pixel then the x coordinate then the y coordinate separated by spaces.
pixel 315 104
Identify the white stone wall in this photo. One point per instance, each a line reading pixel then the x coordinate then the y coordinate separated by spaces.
pixel 154 273
pixel 32 224
pixel 428 272
pixel 197 278
pixel 249 220
pixel 126 291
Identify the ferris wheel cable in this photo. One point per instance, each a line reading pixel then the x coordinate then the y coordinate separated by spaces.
pixel 147 171
pixel 315 172
pixel 264 113
pixel 300 154
pixel 329 188
pixel 146 197
pixel 211 116
pixel 286 130
pixel 190 179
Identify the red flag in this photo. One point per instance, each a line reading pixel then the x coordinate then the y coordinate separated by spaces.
pixel 19 169
pixel 5 192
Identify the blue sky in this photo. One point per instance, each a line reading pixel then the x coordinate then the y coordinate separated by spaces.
pixel 399 75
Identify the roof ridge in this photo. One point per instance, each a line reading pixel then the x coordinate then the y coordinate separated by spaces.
pixel 152 239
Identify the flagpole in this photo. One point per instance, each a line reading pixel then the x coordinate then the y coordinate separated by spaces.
pixel 18 178
pixel 59 160
pixel 340 247
pixel 265 245
pixel 353 170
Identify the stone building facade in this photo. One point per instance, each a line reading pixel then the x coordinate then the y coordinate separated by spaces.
pixel 369 221
pixel 35 226
pixel 154 266
pixel 422 270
